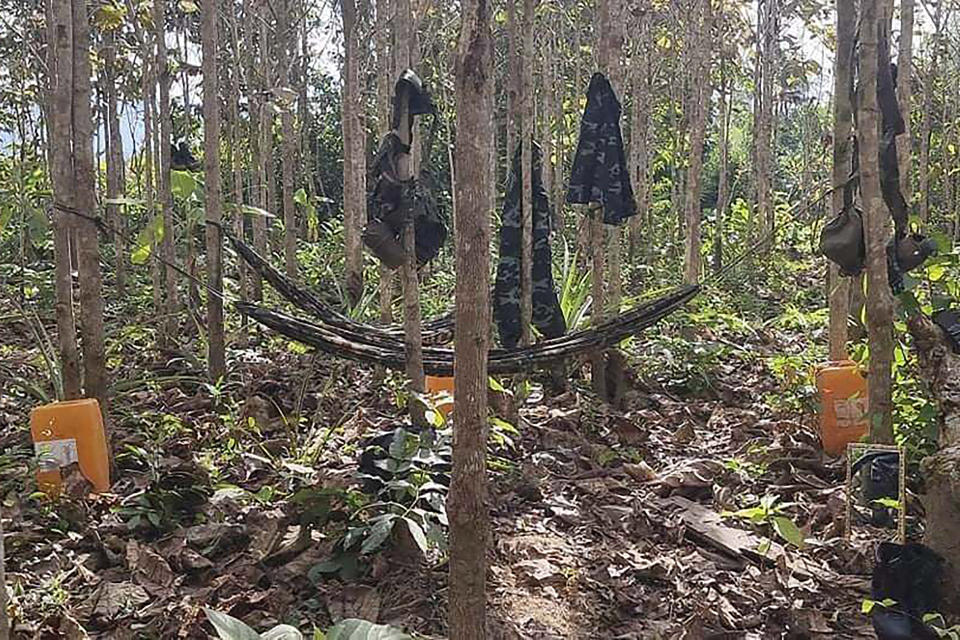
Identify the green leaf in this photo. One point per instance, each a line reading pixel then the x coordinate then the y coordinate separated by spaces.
pixel 764 546
pixel 109 16
pixel 182 184
pixel 257 211
pixel 789 531
pixel 189 6
pixel 353 629
pixel 228 627
pixel 867 606
pixel 892 503
pixel 300 197
pixel 495 384
pixel 378 534
pixel 282 632
pixel 150 235
pixel 417 532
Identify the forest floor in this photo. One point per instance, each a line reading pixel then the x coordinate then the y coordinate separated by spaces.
pixel 605 521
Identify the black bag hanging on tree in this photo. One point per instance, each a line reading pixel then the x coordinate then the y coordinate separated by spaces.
pixel 841 239
pixel 599 172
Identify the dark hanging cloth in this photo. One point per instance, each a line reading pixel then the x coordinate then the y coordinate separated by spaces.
pixel 547 315
pixel 599 171
pixel 906 251
pixel 181 158
pixel 390 201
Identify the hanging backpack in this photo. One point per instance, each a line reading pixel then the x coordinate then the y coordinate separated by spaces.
pixel 841 240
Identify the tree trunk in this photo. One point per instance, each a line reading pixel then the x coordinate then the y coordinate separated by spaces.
pixel 236 140
pixel 267 173
pixel 169 329
pixel 258 223
pixel 926 124
pixel 115 187
pixel 699 102
pixel 765 125
pixel 526 207
pixel 288 143
pixel 940 369
pixel 387 73
pixel 216 357
pixel 513 80
pixel 723 188
pixel 412 338
pixel 905 91
pixel 88 253
pixel 639 133
pixel 354 170
pixel 879 301
pixel 469 519
pixel 60 70
pixel 839 288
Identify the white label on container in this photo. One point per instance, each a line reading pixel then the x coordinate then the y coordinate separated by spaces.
pixel 851 412
pixel 56 453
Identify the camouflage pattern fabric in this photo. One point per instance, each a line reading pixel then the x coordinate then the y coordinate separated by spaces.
pixel 600 167
pixel 547 315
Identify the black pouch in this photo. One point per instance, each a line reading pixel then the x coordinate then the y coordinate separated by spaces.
pixel 949 321
pixel 383 243
pixel 842 242
pixel 913 250
pixel 910 576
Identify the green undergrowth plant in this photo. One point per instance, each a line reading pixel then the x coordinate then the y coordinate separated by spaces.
pixel 230 628
pixel 770 514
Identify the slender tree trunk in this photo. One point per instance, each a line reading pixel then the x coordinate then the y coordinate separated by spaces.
pixel 839 288
pixel 700 98
pixel 469 518
pixel 236 139
pixel 88 254
pixel 526 208
pixel 723 188
pixel 354 170
pixel 166 196
pixel 115 187
pixel 412 338
pixel 385 76
pixel 288 143
pixel 60 70
pixel 256 116
pixel 513 80
pixel 879 300
pixel 639 127
pixel 268 174
pixel 905 90
pixel 765 125
pixel 216 357
pixel 926 124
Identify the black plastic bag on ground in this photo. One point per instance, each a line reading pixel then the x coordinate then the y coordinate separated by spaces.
pixel 909 575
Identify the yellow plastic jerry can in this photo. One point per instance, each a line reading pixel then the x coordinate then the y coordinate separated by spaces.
pixel 68 432
pixel 843 405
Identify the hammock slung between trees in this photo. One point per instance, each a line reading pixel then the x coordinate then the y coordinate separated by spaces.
pixel 359 342
pixel 437 331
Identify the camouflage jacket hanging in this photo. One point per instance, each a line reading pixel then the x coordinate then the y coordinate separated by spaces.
pixel 547 315
pixel 392 202
pixel 599 171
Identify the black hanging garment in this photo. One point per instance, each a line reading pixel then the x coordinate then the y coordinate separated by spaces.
pixel 547 315
pixel 906 251
pixel 181 158
pixel 599 171
pixel 390 201
pixel 910 575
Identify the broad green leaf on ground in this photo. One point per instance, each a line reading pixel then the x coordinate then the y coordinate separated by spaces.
pixel 229 628
pixel 787 529
pixel 352 629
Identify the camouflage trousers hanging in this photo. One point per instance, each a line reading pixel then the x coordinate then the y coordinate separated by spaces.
pixel 547 315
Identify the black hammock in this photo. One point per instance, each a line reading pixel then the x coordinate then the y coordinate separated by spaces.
pixel 437 331
pixel 338 335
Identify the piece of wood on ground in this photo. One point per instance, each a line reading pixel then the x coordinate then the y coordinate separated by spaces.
pixel 707 526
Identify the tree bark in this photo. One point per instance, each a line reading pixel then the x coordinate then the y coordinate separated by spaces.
pixel 469 518
pixel 236 139
pixel 940 369
pixel 839 288
pixel 354 170
pixel 166 195
pixel 926 124
pixel 879 302
pixel 216 357
pixel 526 207
pixel 60 70
pixel 905 91
pixel 288 144
pixel 412 338
pixel 387 72
pixel 723 188
pixel 267 173
pixel 115 187
pixel 698 103
pixel 639 133
pixel 513 79
pixel 765 126
pixel 88 251
pixel 258 223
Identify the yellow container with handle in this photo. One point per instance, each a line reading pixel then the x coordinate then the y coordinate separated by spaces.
pixel 68 432
pixel 440 385
pixel 843 405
